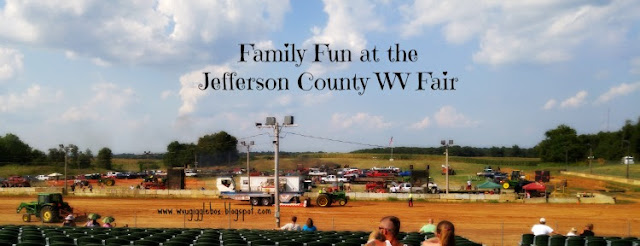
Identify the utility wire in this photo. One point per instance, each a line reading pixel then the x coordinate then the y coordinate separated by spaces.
pixel 337 140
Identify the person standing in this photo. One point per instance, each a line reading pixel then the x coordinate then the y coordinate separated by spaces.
pixel 542 228
pixel 291 226
pixel 410 199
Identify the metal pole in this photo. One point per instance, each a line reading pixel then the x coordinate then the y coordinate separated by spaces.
pixel 248 170
pixel 277 181
pixel 590 159
pixel 65 169
pixel 446 165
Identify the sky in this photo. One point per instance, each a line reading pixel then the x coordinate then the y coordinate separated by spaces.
pixel 125 74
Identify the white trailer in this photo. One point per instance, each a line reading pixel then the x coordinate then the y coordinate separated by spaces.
pixel 262 189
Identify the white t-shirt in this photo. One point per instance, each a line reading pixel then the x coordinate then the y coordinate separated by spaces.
pixel 291 227
pixel 541 229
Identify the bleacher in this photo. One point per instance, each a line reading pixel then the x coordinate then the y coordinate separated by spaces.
pixel 12 235
pixel 559 240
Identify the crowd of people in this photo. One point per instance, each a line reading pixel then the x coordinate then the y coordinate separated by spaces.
pixel 388 230
pixel 69 221
pixel 543 229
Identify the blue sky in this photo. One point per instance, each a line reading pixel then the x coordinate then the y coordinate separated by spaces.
pixel 124 75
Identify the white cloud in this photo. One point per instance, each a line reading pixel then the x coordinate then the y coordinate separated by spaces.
pixel 448 116
pixel 284 100
pixel 523 31
pixel 10 63
pixel 550 104
pixel 315 99
pixel 424 123
pixel 360 120
pixel 108 100
pixel 166 94
pixel 345 29
pixel 620 90
pixel 33 97
pixel 160 31
pixel 635 65
pixel 574 101
pixel 190 84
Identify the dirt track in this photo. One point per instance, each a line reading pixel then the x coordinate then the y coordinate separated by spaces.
pixel 477 221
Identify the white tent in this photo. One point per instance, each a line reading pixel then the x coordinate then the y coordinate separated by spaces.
pixel 55 175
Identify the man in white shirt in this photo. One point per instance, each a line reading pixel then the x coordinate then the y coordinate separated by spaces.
pixel 542 228
pixel 292 226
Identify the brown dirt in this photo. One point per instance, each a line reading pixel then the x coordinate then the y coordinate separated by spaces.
pixel 482 222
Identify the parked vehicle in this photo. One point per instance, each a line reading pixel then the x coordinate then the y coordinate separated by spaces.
pixel 190 173
pixel 316 172
pixel 408 187
pixel 16 181
pixel 262 189
pixel 42 177
pixel 333 178
pixel 378 173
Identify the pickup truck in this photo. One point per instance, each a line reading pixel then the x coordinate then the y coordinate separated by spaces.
pixel 378 174
pixel 407 187
pixel 333 178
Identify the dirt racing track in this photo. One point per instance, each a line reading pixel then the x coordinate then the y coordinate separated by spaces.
pixel 489 223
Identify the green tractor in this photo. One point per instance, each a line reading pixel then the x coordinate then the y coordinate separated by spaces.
pixel 49 207
pixel 325 199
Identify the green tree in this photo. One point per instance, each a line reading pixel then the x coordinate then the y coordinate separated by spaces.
pixel 104 158
pixel 84 159
pixel 216 149
pixel 179 154
pixel 560 145
pixel 12 149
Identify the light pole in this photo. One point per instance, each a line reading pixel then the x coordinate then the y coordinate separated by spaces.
pixel 66 154
pixel 272 123
pixel 446 145
pixel 248 145
pixel 590 158
pixel 625 158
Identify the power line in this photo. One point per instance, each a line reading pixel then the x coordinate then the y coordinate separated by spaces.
pixel 337 140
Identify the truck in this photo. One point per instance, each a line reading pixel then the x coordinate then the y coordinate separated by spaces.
pixel 260 191
pixel 333 178
pixel 316 172
pixel 16 181
pixel 408 187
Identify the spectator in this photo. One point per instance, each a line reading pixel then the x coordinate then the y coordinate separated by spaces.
pixel 430 227
pixel 291 226
pixel 573 232
pixel 68 221
pixel 390 227
pixel 445 235
pixel 542 228
pixel 92 223
pixel 376 239
pixel 588 231
pixel 309 226
pixel 468 184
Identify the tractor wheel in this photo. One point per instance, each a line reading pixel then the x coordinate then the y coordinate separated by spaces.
pixel 505 185
pixel 109 182
pixel 255 201
pixel 323 200
pixel 26 217
pixel 342 202
pixel 48 215
pixel 266 201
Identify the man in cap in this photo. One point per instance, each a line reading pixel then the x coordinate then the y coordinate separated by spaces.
pixel 542 228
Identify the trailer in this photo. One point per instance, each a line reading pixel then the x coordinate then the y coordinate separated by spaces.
pixel 262 192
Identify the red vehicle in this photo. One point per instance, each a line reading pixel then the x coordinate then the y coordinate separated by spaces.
pixel 377 187
pixel 16 181
pixel 379 174
pixel 153 183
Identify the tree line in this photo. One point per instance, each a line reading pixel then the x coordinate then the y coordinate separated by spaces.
pixel 561 144
pixel 14 150
pixel 211 150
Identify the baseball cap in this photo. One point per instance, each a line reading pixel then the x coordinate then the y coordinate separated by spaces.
pixel 542 220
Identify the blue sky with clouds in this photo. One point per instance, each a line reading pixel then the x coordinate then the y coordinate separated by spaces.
pixel 124 74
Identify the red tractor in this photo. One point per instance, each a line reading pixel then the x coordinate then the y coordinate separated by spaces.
pixel 16 181
pixel 154 183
